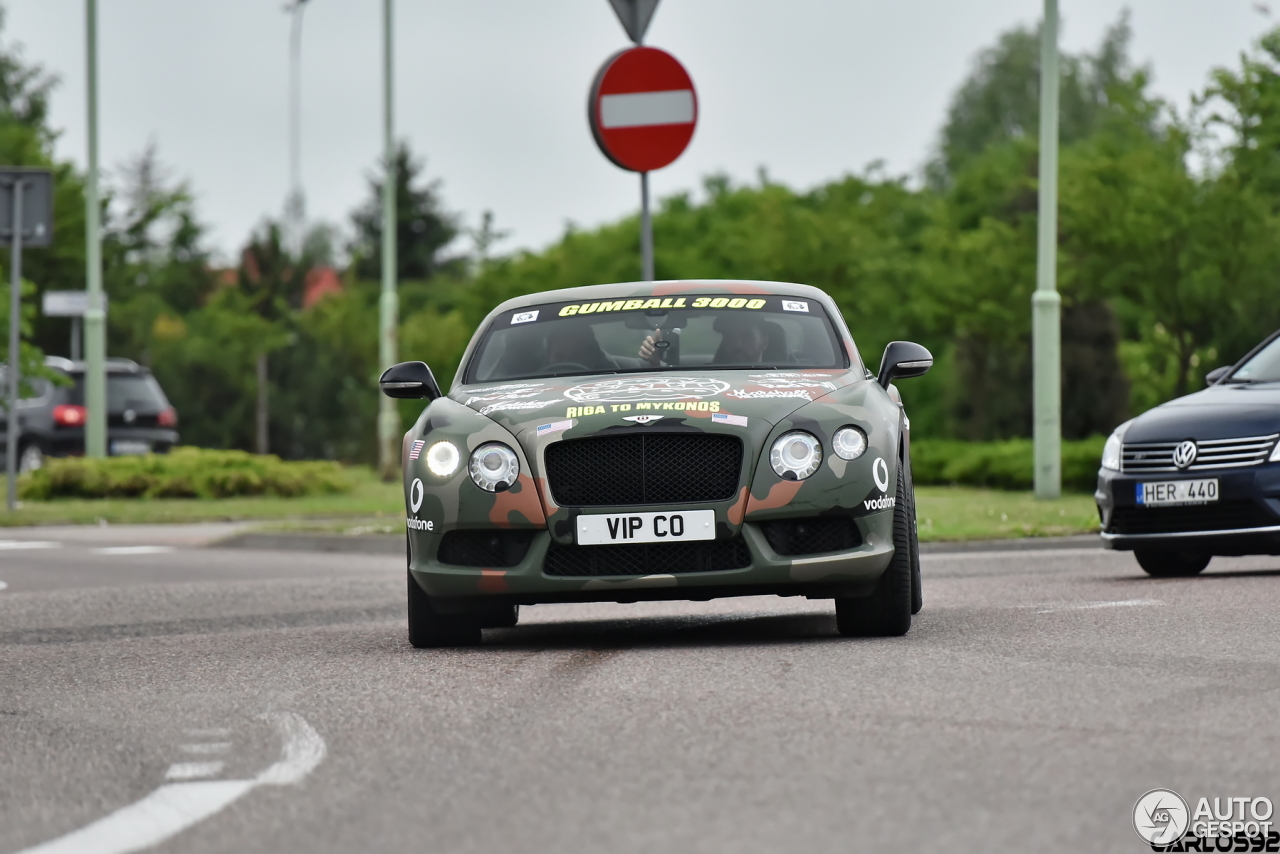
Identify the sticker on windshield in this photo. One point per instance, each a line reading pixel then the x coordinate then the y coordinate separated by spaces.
pixel 795 305
pixel 528 316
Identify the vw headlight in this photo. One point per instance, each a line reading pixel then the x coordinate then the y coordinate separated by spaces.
pixel 443 459
pixel 494 467
pixel 849 443
pixel 795 455
pixel 1112 451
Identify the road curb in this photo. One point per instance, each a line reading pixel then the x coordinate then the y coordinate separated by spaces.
pixel 394 543
pixel 357 543
pixel 1023 544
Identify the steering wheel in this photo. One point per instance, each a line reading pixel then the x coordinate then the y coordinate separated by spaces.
pixel 551 369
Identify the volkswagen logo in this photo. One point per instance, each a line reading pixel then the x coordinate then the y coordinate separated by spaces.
pixel 1185 454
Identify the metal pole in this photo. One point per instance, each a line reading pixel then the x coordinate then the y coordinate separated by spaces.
pixel 646 231
pixel 13 428
pixel 75 339
pixel 1046 304
pixel 388 306
pixel 296 206
pixel 95 316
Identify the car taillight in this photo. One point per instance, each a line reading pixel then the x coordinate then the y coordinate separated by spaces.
pixel 67 415
pixel 168 418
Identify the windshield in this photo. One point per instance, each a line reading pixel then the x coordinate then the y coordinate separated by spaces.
pixel 670 333
pixel 1264 367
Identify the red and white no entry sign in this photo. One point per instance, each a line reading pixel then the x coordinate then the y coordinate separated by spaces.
pixel 642 109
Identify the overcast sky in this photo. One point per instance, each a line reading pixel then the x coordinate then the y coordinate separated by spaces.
pixel 493 92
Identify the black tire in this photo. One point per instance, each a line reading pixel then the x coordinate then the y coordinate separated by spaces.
pixel 1167 563
pixel 428 629
pixel 501 618
pixel 917 591
pixel 887 611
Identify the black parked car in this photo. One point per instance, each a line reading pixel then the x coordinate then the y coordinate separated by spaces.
pixel 140 419
pixel 1199 476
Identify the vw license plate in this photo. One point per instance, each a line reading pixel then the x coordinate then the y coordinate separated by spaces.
pixel 1178 492
pixel 646 527
pixel 129 447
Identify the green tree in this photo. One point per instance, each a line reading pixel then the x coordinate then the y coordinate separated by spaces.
pixel 424 229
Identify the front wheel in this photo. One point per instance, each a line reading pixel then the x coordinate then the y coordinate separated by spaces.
pixel 887 611
pixel 1167 563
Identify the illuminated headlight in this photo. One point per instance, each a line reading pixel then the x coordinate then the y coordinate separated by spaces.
pixel 1111 452
pixel 443 459
pixel 795 455
pixel 494 467
pixel 849 443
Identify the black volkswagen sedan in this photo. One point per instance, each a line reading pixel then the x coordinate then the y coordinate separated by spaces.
pixel 1199 476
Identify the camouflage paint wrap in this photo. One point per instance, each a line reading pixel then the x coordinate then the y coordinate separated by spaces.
pixel 531 415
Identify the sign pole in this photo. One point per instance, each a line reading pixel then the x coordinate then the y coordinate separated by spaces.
pixel 95 339
pixel 1046 303
pixel 388 305
pixel 646 231
pixel 13 427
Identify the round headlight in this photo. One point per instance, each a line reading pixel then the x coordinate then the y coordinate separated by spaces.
pixel 443 459
pixel 849 443
pixel 795 455
pixel 494 467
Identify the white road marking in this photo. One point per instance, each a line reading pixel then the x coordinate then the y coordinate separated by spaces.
pixel 3 585
pixel 28 544
pixel 206 749
pixel 193 770
pixel 133 550
pixel 174 807
pixel 1089 606
pixel 217 732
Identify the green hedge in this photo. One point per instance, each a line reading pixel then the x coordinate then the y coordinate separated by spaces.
pixel 1002 465
pixel 182 473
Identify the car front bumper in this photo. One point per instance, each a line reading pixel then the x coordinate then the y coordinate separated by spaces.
pixel 1245 520
pixel 847 573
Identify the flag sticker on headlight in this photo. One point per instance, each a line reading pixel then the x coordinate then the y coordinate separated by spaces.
pixel 416 450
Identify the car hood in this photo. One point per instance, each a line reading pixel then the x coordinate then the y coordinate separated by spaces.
pixel 1218 412
pixel 546 404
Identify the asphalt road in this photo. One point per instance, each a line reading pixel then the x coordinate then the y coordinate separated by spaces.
pixel 268 701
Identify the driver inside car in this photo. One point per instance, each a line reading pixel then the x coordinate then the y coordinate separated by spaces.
pixel 743 341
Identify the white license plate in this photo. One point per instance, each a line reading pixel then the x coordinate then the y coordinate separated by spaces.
pixel 127 447
pixel 646 527
pixel 1178 492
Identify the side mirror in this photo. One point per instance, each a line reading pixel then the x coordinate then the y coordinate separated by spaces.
pixel 1216 374
pixel 409 381
pixel 903 359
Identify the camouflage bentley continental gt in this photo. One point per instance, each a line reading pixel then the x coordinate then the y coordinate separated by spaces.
pixel 660 440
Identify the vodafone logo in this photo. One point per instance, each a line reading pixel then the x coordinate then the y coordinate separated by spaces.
pixel 416 494
pixel 880 473
pixel 880 503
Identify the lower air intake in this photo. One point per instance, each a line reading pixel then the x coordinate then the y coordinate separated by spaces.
pixel 647 558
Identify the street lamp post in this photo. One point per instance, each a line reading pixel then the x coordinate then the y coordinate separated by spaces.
pixel 388 305
pixel 95 316
pixel 295 208
pixel 1046 303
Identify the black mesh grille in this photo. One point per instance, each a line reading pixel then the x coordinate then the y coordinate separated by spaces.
pixel 484 548
pixel 810 536
pixel 646 468
pixel 1222 516
pixel 648 558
